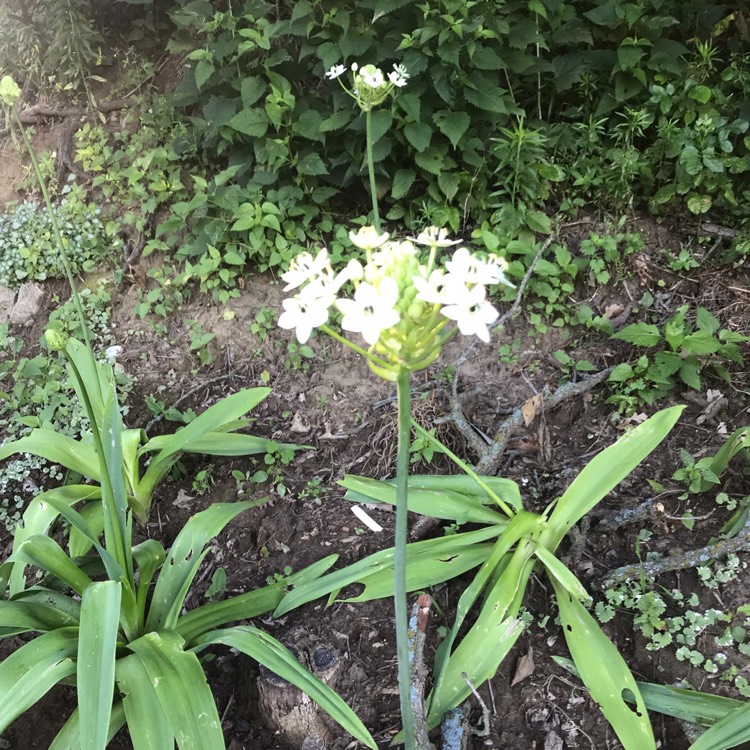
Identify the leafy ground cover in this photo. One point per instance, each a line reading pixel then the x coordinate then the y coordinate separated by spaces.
pixel 200 190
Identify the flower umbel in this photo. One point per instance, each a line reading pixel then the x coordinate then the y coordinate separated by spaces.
pixel 403 307
pixel 370 87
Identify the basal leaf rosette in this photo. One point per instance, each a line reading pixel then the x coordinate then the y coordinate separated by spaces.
pixel 405 308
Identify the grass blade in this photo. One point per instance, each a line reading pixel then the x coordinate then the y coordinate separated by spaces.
pixel 272 654
pixel 100 615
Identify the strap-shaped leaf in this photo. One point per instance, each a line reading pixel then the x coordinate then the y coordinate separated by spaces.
pixel 682 703
pixel 80 544
pixel 58 449
pixel 25 617
pixel 97 639
pixel 563 575
pixel 38 518
pixel 91 380
pixel 268 651
pixel 181 689
pixel 245 606
pixel 46 554
pixel 149 556
pixel 223 444
pixel 438 503
pixel 131 443
pixel 605 673
pixel 147 723
pixel 69 737
pixel 228 409
pixel 731 731
pixel 607 469
pixel 31 671
pixel 487 643
pixel 184 559
pixel 373 564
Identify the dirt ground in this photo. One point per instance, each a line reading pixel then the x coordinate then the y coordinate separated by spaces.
pixel 347 416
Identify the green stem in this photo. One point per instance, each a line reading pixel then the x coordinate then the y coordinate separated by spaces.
pixel 371 357
pixel 399 565
pixel 58 233
pixel 371 169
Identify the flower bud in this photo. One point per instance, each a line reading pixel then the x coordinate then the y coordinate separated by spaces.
pixel 9 91
pixel 56 340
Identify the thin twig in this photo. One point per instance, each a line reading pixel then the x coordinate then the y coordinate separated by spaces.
pixel 417 637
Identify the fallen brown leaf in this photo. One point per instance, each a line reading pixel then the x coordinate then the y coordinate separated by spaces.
pixel 524 668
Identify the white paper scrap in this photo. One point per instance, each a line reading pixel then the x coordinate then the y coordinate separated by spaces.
pixel 366 520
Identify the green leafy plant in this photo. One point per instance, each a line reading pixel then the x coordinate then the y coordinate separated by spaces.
pixel 690 350
pixel 214 432
pixel 508 548
pixel 131 651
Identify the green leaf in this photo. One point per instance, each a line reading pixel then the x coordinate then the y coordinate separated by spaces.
pixel 33 669
pixel 181 689
pixel 23 617
pixel 433 549
pixel 203 71
pixel 402 182
pixel 311 164
pixel 699 204
pixel 701 342
pixel 38 518
pixel 432 160
pixel 269 652
pixel 69 737
pixel 252 122
pixel 640 334
pixel 606 470
pixel 448 182
pixel 251 89
pixel 701 94
pixel 427 500
pixel 705 321
pixel 46 554
pixel 184 559
pixel 419 135
pixel 561 574
pixel 452 125
pixel 100 615
pixel 380 123
pixel 604 673
pixel 57 449
pixel 147 724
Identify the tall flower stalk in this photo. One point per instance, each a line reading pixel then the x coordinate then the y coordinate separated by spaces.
pixel 369 89
pixel 406 308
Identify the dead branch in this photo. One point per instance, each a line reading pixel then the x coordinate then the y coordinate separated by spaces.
pixel 489 458
pixel 38 112
pixel 417 638
pixel 683 560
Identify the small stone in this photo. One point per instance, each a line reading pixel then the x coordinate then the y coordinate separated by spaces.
pixel 7 297
pixel 28 304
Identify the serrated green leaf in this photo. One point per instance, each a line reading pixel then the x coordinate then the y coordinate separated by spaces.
pixel 311 164
pixel 252 122
pixel 251 89
pixel 448 183
pixel 452 125
pixel 402 182
pixel 419 135
pixel 203 71
pixel 432 160
pixel 640 334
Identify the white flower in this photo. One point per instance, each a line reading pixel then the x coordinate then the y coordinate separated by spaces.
pixel 434 237
pixel 398 76
pixel 304 268
pixel 367 238
pixel 440 288
pixel 303 314
pixel 335 72
pixel 373 77
pixel 394 254
pixel 371 311
pixel 355 67
pixel 473 270
pixel 473 314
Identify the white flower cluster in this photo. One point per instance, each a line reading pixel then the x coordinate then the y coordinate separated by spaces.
pixel 401 306
pixel 370 86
